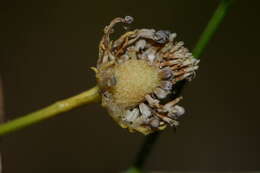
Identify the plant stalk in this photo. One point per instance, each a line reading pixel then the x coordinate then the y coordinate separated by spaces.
pixel 211 27
pixel 65 105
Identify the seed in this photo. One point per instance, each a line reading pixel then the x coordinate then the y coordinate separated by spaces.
pixel 129 19
pixel 166 85
pixel 166 73
pixel 162 36
pixel 160 93
pixel 155 123
pixel 145 110
pixel 179 110
pixel 131 115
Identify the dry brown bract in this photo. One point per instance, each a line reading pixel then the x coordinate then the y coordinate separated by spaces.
pixel 137 73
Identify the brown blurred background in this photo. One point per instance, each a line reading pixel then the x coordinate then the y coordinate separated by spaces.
pixel 47 48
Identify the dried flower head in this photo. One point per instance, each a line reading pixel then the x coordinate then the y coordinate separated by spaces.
pixel 137 74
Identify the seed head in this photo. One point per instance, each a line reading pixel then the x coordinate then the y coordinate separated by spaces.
pixel 137 74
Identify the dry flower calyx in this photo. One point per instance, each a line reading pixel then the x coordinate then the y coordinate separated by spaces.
pixel 137 73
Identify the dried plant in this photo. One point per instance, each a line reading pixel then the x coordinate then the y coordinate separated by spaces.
pixel 137 74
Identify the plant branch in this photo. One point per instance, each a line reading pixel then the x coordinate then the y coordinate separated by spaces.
pixel 204 39
pixel 86 97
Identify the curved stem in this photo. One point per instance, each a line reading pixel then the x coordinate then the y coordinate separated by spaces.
pixel 65 105
pixel 204 39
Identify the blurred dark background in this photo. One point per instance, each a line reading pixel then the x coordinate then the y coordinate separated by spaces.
pixel 48 47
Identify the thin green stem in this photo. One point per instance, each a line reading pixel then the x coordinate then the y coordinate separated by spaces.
pixel 65 105
pixel 211 27
pixel 204 39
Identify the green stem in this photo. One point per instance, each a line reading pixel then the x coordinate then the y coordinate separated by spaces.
pixel 211 27
pixel 50 111
pixel 146 149
pixel 204 39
